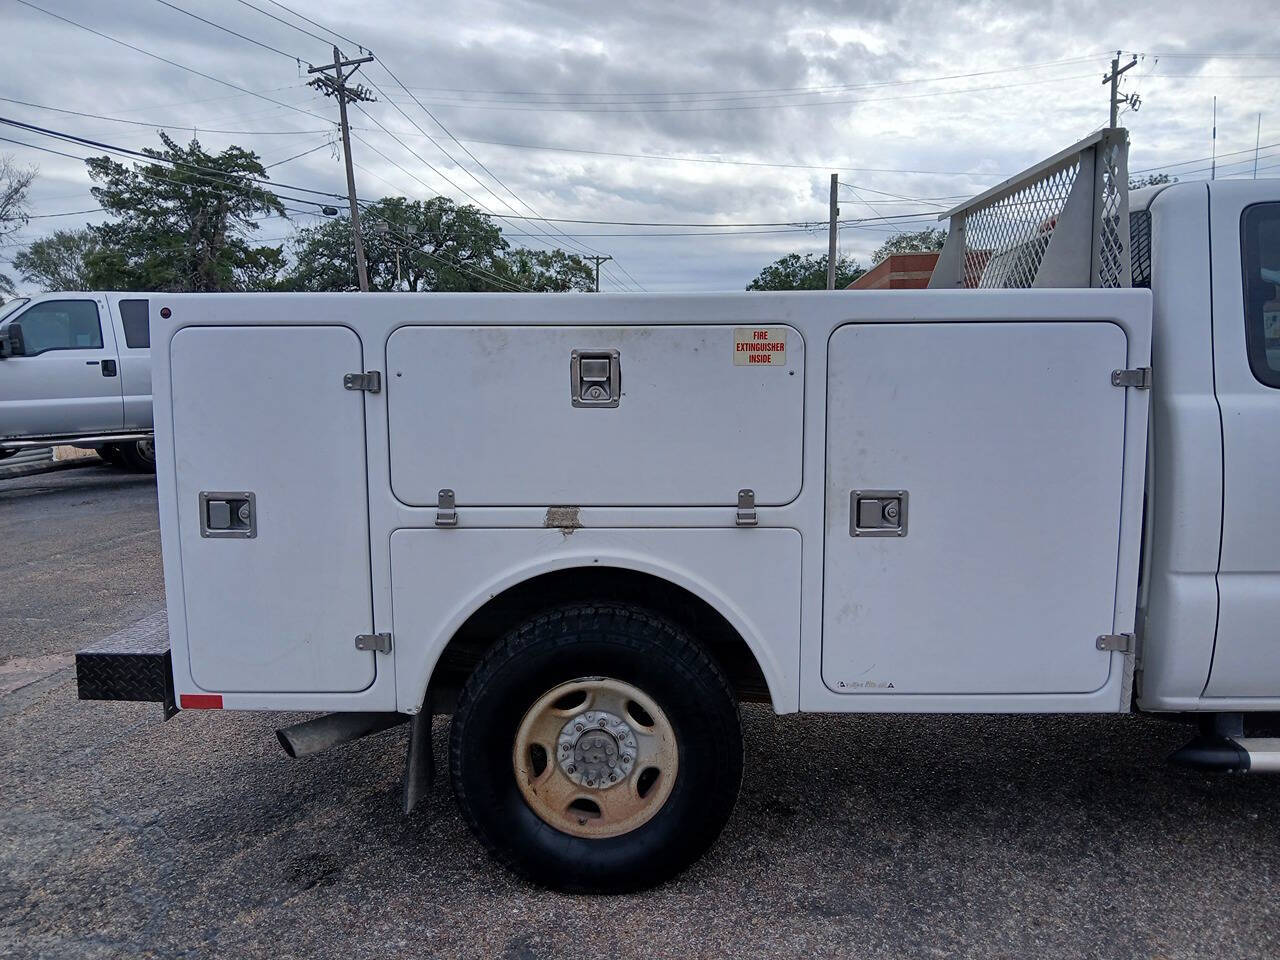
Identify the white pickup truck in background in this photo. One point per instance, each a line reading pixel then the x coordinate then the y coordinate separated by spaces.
pixel 75 368
pixel 589 527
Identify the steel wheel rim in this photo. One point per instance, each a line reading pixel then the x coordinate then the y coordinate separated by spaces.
pixel 147 450
pixel 595 757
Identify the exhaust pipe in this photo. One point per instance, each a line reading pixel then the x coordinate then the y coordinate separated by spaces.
pixel 312 736
pixel 1218 754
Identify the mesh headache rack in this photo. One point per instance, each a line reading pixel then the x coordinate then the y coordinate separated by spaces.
pixel 1062 223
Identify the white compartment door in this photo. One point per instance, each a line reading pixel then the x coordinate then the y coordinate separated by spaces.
pixel 1008 441
pixel 490 413
pixel 262 411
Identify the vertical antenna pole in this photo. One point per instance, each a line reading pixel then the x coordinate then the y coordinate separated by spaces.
pixel 834 215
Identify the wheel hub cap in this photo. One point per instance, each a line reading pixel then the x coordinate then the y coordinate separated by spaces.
pixel 596 749
pixel 595 757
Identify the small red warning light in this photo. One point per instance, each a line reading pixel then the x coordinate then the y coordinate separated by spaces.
pixel 166 312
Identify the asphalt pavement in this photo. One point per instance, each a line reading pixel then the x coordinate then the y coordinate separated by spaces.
pixel 125 836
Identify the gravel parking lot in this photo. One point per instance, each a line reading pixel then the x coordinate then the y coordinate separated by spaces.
pixel 121 835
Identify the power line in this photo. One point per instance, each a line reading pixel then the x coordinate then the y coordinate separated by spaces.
pixel 760 92
pixel 161 126
pixel 220 177
pixel 733 162
pixel 296 155
pixel 1183 163
pixel 172 63
pixel 294 26
pixel 217 180
pixel 69 213
pixel 479 203
pixel 141 154
pixel 217 26
pixel 490 173
pixel 561 108
pixel 320 26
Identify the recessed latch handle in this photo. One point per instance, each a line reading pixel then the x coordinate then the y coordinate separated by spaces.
pixel 595 378
pixel 878 513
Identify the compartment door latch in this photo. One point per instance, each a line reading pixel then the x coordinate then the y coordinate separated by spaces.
pixel 1139 378
pixel 595 378
pixel 446 509
pixel 369 381
pixel 878 513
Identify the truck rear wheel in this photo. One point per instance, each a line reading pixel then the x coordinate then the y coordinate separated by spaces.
pixel 140 455
pixel 597 748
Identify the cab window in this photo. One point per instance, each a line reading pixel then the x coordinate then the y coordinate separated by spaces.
pixel 61 325
pixel 1260 246
pixel 136 322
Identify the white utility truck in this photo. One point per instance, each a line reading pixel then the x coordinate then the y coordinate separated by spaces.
pixel 589 526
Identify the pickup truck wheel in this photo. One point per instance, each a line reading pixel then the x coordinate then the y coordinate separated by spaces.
pixel 140 455
pixel 597 748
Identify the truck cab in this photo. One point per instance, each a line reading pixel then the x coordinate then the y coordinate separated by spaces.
pixel 75 368
pixel 1210 253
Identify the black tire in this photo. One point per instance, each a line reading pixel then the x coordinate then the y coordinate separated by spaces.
pixel 139 455
pixel 627 644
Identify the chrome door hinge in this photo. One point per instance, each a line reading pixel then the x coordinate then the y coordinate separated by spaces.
pixel 370 381
pixel 377 642
pixel 1115 643
pixel 746 509
pixel 446 511
pixel 1139 378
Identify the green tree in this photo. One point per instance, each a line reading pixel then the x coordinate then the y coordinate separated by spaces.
pixel 184 223
pixel 410 245
pixel 427 245
pixel 14 183
pixel 548 271
pixel 807 272
pixel 58 262
pixel 921 241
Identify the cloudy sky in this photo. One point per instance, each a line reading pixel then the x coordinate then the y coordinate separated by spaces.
pixel 659 112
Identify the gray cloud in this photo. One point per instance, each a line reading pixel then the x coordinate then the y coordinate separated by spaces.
pixel 609 57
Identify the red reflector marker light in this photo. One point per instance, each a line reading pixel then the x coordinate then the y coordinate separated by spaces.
pixel 200 701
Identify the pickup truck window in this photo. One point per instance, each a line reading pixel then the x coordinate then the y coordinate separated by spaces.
pixel 61 325
pixel 1260 248
pixel 136 321
pixel 12 305
pixel 1140 247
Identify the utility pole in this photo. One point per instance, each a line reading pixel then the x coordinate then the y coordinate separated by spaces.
pixel 1213 163
pixel 1113 78
pixel 1256 141
pixel 834 215
pixel 336 86
pixel 598 259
